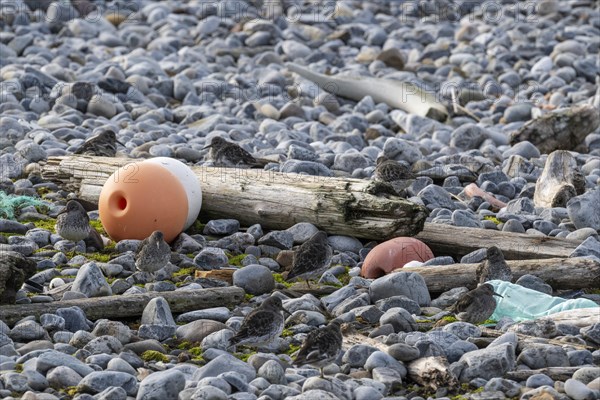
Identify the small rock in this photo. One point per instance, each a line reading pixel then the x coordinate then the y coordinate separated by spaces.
pixel 222 227
pixel 578 390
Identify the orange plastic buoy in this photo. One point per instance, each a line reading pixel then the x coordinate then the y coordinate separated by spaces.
pixel 142 197
pixel 394 254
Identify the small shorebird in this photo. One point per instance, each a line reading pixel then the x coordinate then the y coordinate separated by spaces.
pixel 228 154
pixel 321 347
pixel 312 258
pixel 390 170
pixel 397 174
pixel 476 305
pixel 153 253
pixel 73 223
pixel 494 267
pixel 262 325
pixel 104 144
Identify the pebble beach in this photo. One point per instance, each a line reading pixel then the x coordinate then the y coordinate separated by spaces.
pixel 515 150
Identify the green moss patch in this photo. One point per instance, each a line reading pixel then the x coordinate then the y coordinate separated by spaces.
pixel 196 228
pixel 45 224
pixel 293 348
pixel 153 355
pixel 450 318
pixel 236 260
pixel 243 356
pixel 7 235
pixel 493 219
pixel 286 333
pixel 184 272
pixel 279 279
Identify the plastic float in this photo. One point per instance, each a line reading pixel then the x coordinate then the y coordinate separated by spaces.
pixel 155 194
pixel 394 254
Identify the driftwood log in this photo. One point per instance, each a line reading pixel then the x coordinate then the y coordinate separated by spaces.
pixel 457 241
pixel 580 317
pixel 432 372
pixel 525 340
pixel 563 129
pixel 402 95
pixel 560 181
pixel 276 200
pixel 130 306
pixel 555 373
pixel 560 273
pixel 339 206
pixel 14 270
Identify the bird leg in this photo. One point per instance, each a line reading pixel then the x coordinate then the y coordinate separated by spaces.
pixel 322 376
pixel 308 284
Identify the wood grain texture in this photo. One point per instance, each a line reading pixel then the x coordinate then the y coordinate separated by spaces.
pixel 130 306
pixel 560 273
pixel 355 207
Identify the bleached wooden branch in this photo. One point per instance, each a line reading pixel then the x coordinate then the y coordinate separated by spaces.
pixel 401 95
pixel 276 200
pixel 560 273
pixel 129 306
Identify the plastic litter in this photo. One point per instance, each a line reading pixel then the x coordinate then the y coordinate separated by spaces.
pixel 10 204
pixel 520 303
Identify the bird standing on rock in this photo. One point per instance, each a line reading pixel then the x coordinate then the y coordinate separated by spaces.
pixel 227 154
pixel 321 347
pixel 397 174
pixel 153 253
pixel 262 325
pixel 477 305
pixel 104 144
pixel 312 258
pixel 494 267
pixel 73 223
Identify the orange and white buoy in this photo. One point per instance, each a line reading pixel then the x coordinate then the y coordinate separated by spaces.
pixel 142 197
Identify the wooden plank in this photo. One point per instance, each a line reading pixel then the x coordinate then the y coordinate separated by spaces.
pixel 129 306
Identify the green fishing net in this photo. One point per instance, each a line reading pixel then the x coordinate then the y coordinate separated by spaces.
pixel 10 204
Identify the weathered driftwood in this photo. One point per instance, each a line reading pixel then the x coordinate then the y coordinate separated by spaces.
pixel 402 95
pixel 220 274
pixel 14 270
pixel 580 317
pixel 340 206
pixel 563 129
pixel 457 241
pixel 130 306
pixel 351 338
pixel 560 181
pixel 277 200
pixel 555 373
pixel 525 340
pixel 431 372
pixel 560 273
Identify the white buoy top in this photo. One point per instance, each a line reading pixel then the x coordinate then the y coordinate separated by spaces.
pixel 190 183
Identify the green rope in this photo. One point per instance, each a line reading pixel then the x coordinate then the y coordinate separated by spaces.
pixel 10 204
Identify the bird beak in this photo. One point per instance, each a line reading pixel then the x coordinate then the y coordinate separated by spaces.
pixel 120 143
pixel 207 147
pixel 496 294
pixel 62 212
